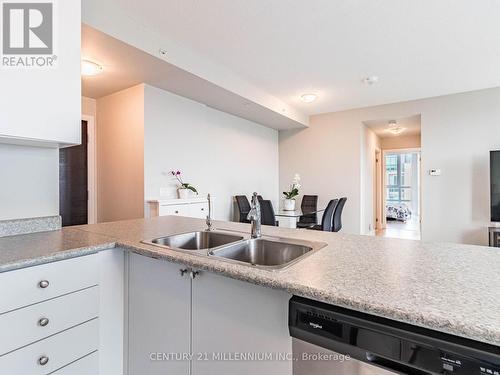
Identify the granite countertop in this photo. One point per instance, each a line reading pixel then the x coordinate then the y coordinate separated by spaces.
pixel 446 287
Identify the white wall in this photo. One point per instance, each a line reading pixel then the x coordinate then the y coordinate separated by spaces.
pixel 29 182
pixel 327 155
pixel 218 153
pixel 120 155
pixel 458 131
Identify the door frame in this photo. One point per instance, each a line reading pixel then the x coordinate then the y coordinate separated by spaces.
pixel 91 169
pixel 382 189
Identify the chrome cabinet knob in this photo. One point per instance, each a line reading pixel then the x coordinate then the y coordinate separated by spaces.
pixel 183 271
pixel 194 274
pixel 42 322
pixel 43 284
pixel 43 360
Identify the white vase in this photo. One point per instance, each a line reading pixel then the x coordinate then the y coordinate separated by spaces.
pixel 183 193
pixel 289 205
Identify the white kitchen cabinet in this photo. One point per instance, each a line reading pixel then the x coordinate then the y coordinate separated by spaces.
pixel 208 317
pixel 159 317
pixel 232 318
pixel 191 207
pixel 84 366
pixel 42 106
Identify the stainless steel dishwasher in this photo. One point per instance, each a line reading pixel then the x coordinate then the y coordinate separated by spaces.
pixel 328 340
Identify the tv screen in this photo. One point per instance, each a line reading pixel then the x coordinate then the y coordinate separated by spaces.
pixel 495 185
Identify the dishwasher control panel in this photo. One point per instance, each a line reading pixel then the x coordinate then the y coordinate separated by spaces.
pixel 392 345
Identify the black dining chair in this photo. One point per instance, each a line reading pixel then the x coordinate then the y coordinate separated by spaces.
pixel 243 208
pixel 309 203
pixel 267 216
pixel 327 220
pixel 259 197
pixel 337 215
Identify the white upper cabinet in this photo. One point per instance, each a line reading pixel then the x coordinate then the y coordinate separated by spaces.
pixel 40 105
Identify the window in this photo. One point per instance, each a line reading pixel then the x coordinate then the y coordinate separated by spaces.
pixel 399 174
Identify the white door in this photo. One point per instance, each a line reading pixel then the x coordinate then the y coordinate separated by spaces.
pixel 233 318
pixel 159 317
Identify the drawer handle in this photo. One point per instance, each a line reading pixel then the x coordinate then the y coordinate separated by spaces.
pixel 176 212
pixel 43 360
pixel 43 284
pixel 42 322
pixel 203 209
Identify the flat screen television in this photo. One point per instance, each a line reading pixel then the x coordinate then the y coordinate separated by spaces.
pixel 495 185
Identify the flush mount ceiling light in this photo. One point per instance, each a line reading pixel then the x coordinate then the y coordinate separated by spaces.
pixel 308 98
pixel 90 68
pixel 396 130
pixel 370 80
pixel 392 124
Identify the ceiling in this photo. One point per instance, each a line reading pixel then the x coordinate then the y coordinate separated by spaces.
pixel 418 49
pixel 125 66
pixel 412 126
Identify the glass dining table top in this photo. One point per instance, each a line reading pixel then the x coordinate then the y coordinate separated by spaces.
pixel 297 213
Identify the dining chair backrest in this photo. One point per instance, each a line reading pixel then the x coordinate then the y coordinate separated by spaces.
pixel 267 215
pixel 259 197
pixel 309 203
pixel 337 215
pixel 243 206
pixel 327 221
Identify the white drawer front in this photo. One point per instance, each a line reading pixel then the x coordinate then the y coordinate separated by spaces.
pixel 27 325
pixel 20 288
pixel 198 210
pixel 179 209
pixel 88 365
pixel 60 350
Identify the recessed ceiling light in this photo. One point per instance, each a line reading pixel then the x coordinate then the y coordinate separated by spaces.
pixel 370 80
pixel 308 98
pixel 90 68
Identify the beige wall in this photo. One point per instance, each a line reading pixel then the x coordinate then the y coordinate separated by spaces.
pixel 458 131
pixel 394 143
pixel 370 144
pixel 89 106
pixel 120 155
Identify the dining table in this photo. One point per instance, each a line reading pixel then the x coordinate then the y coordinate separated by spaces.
pixel 289 219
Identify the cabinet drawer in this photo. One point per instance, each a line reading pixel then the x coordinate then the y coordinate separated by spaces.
pixel 60 350
pixel 179 209
pixel 198 210
pixel 24 287
pixel 88 365
pixel 24 326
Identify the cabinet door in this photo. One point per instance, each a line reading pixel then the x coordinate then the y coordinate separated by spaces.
pixel 44 104
pixel 198 210
pixel 230 318
pixel 159 316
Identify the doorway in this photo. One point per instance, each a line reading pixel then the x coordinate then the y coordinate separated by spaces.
pixel 401 194
pixel 76 178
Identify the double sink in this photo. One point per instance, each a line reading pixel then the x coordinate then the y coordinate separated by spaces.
pixel 271 253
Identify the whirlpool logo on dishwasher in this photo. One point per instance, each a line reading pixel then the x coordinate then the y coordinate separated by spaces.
pixel 28 34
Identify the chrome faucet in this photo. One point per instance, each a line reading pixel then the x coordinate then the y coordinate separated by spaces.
pixel 254 217
pixel 209 216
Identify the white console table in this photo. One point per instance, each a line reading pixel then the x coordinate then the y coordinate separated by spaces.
pixel 190 207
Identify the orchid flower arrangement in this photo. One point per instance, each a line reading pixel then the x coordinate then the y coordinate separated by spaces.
pixel 294 188
pixel 183 185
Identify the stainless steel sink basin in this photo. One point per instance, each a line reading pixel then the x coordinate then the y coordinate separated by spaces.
pixel 266 253
pixel 201 240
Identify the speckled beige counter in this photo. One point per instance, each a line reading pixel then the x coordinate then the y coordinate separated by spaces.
pixel 447 287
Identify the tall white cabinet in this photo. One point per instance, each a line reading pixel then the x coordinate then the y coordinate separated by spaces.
pixel 42 106
pixel 186 322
